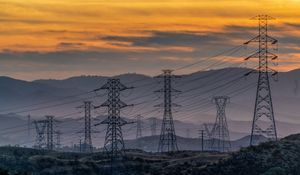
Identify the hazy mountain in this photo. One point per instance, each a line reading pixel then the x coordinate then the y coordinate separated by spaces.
pixel 150 143
pixel 56 97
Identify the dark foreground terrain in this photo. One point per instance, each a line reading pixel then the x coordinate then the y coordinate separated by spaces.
pixel 282 158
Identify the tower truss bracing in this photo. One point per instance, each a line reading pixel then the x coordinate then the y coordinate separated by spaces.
pixel 220 132
pixel 114 143
pixel 263 110
pixel 40 128
pixel 167 140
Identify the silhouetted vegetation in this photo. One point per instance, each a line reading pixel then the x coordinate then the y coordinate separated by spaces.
pixel 272 158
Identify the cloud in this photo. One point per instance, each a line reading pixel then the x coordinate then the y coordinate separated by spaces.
pixel 295 25
pixel 111 37
pixel 159 38
pixel 70 46
pixel 31 21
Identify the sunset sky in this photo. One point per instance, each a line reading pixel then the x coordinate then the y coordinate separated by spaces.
pixel 63 38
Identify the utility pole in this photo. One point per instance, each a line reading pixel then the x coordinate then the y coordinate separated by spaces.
pixel 220 133
pixel 201 133
pixel 167 140
pixel 40 127
pixel 80 146
pixel 263 110
pixel 153 126
pixel 50 132
pixel 114 143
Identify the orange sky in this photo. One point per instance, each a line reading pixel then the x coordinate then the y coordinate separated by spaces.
pixel 87 26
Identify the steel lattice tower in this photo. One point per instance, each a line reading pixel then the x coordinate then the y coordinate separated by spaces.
pixel 87 145
pixel 167 141
pixel 208 132
pixel 50 132
pixel 220 132
pixel 263 104
pixel 139 127
pixel 40 127
pixel 58 137
pixel 153 126
pixel 114 143
pixel 28 125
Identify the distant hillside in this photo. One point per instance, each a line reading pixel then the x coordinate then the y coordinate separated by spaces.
pixel 150 144
pixel 56 97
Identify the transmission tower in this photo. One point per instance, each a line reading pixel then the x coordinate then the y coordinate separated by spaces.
pixel 28 125
pixel 208 132
pixel 139 131
pixel 114 143
pixel 87 145
pixel 40 127
pixel 167 141
pixel 263 110
pixel 139 127
pixel 50 132
pixel 153 126
pixel 58 137
pixel 220 133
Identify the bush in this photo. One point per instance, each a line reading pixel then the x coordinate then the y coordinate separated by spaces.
pixel 275 171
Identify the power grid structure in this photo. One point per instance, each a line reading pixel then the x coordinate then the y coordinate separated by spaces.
pixel 40 128
pixel 153 126
pixel 58 139
pixel 28 125
pixel 208 127
pixel 220 132
pixel 167 140
pixel 45 133
pixel 263 110
pixel 114 143
pixel 218 136
pixel 87 145
pixel 50 132
pixel 139 133
pixel 201 133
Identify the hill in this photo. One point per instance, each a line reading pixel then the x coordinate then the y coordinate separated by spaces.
pixel 271 158
pixel 150 143
pixel 40 162
pixel 279 158
pixel 48 97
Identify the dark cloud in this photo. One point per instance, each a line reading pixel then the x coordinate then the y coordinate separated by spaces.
pixel 238 28
pixel 296 25
pixel 169 39
pixel 289 39
pixel 114 61
pixel 70 46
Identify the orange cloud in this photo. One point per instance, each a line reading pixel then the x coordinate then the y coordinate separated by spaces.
pixel 50 26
